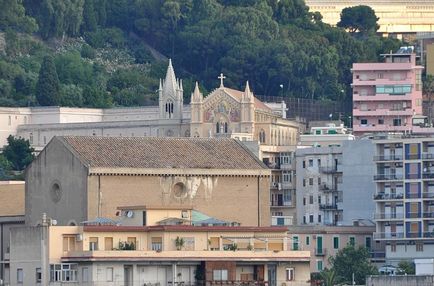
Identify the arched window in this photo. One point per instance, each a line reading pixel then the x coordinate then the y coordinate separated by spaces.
pixel 169 109
pixel 262 136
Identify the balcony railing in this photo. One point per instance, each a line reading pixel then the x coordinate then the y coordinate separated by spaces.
pixel 384 196
pixel 281 220
pixel 328 189
pixel 428 175
pixel 413 215
pixel 378 254
pixel 388 235
pixel 388 215
pixel 429 215
pixel 412 196
pixel 388 177
pixel 329 170
pixel 388 158
pixel 428 195
pixel 428 156
pixel 284 203
pixel 320 251
pixel 328 206
pixel 412 156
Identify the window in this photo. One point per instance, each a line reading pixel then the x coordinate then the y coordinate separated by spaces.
pixel 169 109
pixel 188 243
pixel 290 274
pixel 319 199
pixel 336 242
pixel 93 243
pixel 68 243
pixel 31 138
pixel 352 241
pixel 65 272
pixel 319 265
pixel 38 275
pixel 310 181
pixel 419 246
pixel 109 274
pixel 304 219
pixel 319 181
pixel 304 164
pixel 363 121
pixel 311 218
pixel 20 274
pixel 262 136
pixel 156 243
pixel 397 122
pixel 311 199
pixel 307 240
pixel 392 247
pixel 368 241
pixel 304 182
pixel 310 163
pixel 381 121
pixel 304 201
pixel 319 218
pixel 85 274
pixel 295 242
pixel 220 274
pixel 393 89
pixel 319 163
pixel 108 243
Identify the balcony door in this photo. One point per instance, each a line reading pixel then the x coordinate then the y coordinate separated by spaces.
pixel 319 244
pixel 128 275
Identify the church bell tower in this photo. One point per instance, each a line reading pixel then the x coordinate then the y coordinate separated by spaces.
pixel 171 95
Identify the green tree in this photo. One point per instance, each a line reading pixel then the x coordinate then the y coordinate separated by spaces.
pixel 328 277
pixel 5 168
pixel 428 90
pixel 13 16
pixel 47 87
pixel 406 268
pixel 18 152
pixel 359 19
pixel 89 16
pixel 351 260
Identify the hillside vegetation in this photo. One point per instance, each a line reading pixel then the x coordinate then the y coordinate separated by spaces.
pixel 102 53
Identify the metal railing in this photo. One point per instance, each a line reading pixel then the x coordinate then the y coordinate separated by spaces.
pixel 329 170
pixel 428 175
pixel 427 156
pixel 328 189
pixel 428 195
pixel 388 158
pixel 388 215
pixel 328 206
pixel 388 235
pixel 388 177
pixel 320 251
pixel 384 196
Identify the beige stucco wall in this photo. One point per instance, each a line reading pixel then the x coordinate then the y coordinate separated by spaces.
pixel 226 198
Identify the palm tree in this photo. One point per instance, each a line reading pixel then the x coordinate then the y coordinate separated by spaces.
pixel 328 276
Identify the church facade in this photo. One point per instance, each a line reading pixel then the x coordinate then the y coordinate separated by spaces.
pixel 225 112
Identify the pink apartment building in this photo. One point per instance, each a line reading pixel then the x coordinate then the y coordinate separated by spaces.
pixel 387 95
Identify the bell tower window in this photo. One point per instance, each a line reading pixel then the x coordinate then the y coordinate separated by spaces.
pixel 169 109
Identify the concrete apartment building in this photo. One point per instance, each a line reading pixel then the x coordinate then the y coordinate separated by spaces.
pixel 325 134
pixel 404 196
pixel 153 254
pixel 324 242
pixel 332 181
pixel 387 95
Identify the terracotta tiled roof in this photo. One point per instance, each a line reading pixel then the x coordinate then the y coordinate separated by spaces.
pixel 239 94
pixel 163 153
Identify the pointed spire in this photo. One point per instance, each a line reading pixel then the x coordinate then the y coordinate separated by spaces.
pixel 160 88
pixel 248 95
pixel 170 83
pixel 180 85
pixel 196 96
pixel 247 90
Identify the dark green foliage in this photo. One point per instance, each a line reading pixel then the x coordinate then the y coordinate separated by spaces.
pixel 359 19
pixel 127 245
pixel 5 168
pixel 18 152
pixel 47 88
pixel 87 52
pixel 406 268
pixel 351 260
pixel 12 16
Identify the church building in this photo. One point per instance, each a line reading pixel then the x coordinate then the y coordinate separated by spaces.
pixel 225 112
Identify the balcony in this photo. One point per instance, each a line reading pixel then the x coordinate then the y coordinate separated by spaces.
pixel 427 156
pixel 274 166
pixel 383 196
pixel 380 128
pixel 381 97
pixel 285 166
pixel 320 251
pixel 389 216
pixel 388 235
pixel 428 195
pixel 428 175
pixel 281 203
pixel 281 220
pixel 428 215
pixel 383 112
pixel 328 189
pixel 388 177
pixel 328 206
pixel 329 170
pixel 388 158
pixel 413 215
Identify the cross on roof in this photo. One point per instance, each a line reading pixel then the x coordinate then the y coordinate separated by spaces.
pixel 221 77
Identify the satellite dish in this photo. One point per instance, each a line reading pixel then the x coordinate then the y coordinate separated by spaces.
pixel 130 214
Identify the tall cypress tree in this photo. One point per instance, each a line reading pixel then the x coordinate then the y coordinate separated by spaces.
pixel 47 88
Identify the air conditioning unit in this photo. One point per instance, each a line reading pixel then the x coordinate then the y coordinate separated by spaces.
pixel 184 214
pixel 79 237
pixel 129 214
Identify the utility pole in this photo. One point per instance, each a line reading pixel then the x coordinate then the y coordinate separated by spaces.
pixel 44 250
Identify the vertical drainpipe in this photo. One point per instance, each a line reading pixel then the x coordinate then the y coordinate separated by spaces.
pixel 99 196
pixel 1 252
pixel 259 207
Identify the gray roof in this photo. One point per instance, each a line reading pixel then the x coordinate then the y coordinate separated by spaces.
pixel 162 153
